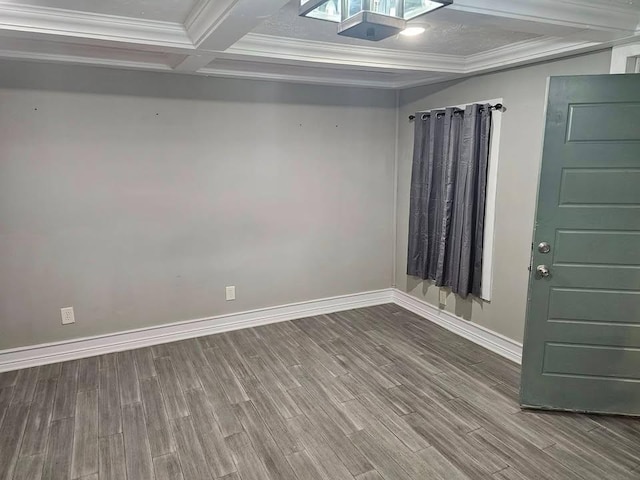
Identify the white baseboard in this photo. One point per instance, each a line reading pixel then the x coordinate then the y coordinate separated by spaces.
pixel 30 356
pixel 43 354
pixel 484 337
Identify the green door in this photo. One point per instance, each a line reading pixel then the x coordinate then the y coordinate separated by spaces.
pixel 582 336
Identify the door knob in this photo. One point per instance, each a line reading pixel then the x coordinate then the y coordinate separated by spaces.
pixel 542 271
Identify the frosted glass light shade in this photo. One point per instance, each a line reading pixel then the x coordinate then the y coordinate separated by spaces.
pixel 415 8
pixel 321 10
pixel 369 19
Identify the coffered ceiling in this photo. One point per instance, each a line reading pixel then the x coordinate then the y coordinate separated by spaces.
pixel 267 39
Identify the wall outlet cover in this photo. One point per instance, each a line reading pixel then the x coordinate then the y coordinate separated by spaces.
pixel 67 315
pixel 230 293
pixel 443 296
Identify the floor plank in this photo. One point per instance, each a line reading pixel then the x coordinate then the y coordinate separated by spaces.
pixel 6 395
pixel 174 398
pixel 184 367
pixel 303 466
pixel 167 467
pixel 109 412
pixel 8 379
pixel 57 464
pixel 108 360
pixel 111 458
pixel 208 431
pixel 158 427
pixel 220 404
pixel 85 436
pixel 37 429
pixel 88 373
pixel 65 402
pixel 263 443
pixel 379 457
pixel 136 443
pixel 11 438
pixel 250 467
pixel 29 468
pixel 25 386
pixel 47 372
pixel 144 363
pixel 128 378
pixel 322 455
pixel 192 457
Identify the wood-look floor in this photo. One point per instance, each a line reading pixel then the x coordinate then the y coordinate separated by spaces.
pixel 375 393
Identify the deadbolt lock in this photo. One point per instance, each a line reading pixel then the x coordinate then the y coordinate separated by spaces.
pixel 544 247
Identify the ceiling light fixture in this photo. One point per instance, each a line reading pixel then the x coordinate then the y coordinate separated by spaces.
pixel 369 19
pixel 412 31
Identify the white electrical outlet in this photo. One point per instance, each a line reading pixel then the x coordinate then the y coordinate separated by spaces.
pixel 230 292
pixel 443 296
pixel 67 315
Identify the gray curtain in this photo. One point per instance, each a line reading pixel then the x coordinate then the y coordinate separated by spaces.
pixel 447 200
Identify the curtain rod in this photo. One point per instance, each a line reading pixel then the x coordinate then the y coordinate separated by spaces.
pixel 497 106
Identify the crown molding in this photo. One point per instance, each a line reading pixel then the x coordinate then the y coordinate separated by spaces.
pixel 526 52
pixel 627 8
pixel 68 25
pixel 582 14
pixel 417 81
pixel 346 69
pixel 304 51
pixel 295 51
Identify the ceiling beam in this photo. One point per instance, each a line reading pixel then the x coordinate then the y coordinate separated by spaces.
pixel 205 17
pixel 287 74
pixel 78 54
pixel 291 51
pixel 241 18
pixel 193 62
pixel 215 25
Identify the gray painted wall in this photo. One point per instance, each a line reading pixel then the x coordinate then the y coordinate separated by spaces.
pixel 524 93
pixel 136 197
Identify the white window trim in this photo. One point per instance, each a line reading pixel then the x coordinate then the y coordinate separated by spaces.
pixel 490 199
pixel 625 58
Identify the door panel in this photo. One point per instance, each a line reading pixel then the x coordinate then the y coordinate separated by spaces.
pixel 594 305
pixel 591 187
pixel 591 361
pixel 601 247
pixel 596 276
pixel 582 336
pixel 603 122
